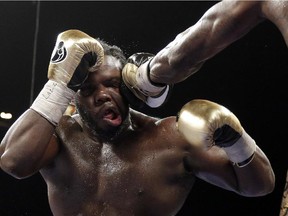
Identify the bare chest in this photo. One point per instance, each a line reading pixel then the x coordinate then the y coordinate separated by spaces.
pixel 139 176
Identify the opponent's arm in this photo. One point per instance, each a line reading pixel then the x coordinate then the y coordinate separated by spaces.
pixel 212 128
pixel 30 144
pixel 277 13
pixel 221 25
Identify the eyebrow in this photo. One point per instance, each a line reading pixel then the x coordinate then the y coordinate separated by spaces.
pixel 114 79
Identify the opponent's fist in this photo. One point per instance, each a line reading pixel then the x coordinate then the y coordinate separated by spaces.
pixel 137 86
pixel 204 123
pixel 75 54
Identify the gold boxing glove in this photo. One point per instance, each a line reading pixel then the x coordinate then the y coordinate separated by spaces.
pixel 75 54
pixel 204 123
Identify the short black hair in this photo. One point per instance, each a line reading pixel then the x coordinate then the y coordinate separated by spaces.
pixel 114 51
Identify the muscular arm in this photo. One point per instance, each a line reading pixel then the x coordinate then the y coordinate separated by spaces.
pixel 27 145
pixel 228 156
pixel 221 25
pixel 255 179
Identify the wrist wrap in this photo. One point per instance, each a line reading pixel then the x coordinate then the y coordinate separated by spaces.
pixel 52 101
pixel 242 152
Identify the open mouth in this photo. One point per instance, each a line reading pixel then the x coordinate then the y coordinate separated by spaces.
pixel 112 117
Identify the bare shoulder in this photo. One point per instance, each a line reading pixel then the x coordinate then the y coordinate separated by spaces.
pixel 167 122
pixel 140 118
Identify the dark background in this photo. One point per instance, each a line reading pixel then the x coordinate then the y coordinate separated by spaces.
pixel 249 77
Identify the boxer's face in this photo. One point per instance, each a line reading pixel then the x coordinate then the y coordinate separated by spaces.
pixel 100 103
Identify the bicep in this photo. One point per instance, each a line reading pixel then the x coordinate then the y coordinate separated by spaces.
pixel 222 24
pixel 27 145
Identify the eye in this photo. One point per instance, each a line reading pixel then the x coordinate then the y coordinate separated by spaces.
pixel 86 91
pixel 114 83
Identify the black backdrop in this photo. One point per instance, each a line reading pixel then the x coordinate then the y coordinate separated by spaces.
pixel 249 77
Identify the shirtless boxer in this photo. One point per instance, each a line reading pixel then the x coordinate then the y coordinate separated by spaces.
pixel 112 160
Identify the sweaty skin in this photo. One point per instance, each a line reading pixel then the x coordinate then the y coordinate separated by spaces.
pixel 142 166
pixel 220 26
pixel 144 173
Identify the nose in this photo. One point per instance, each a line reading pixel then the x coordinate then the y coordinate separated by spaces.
pixel 101 97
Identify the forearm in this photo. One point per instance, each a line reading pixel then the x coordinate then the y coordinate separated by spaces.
pixel 239 164
pixel 220 26
pixel 29 144
pixel 25 144
pixel 257 178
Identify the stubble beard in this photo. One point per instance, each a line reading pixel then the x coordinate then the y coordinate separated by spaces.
pixel 107 135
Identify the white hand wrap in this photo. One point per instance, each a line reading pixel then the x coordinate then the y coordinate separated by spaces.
pixel 242 150
pixel 52 101
pixel 144 83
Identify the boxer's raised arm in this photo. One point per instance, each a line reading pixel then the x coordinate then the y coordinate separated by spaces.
pixel 29 143
pixel 214 129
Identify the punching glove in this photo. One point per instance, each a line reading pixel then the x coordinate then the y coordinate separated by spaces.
pixel 137 86
pixel 204 123
pixel 74 56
